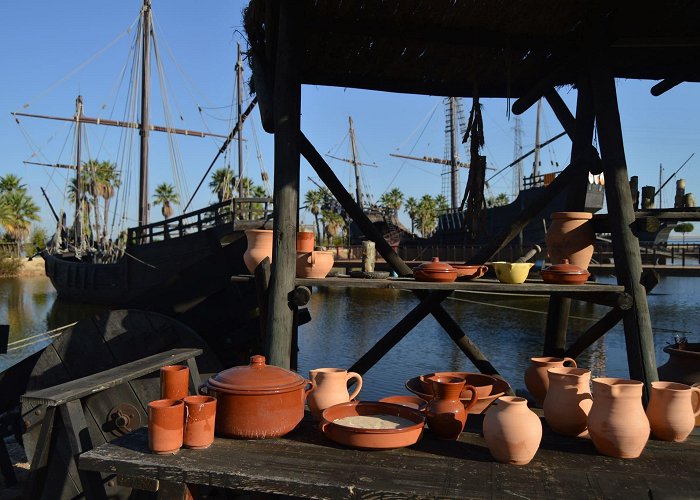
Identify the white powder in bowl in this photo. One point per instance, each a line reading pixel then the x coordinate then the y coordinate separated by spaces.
pixel 374 422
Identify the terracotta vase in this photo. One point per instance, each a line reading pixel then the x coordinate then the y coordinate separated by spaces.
pixel 697 418
pixel 165 425
pixel 445 414
pixel 174 382
pixel 316 264
pixel 536 377
pixel 617 423
pixel 683 364
pixel 672 410
pixel 200 419
pixel 330 387
pixel 259 247
pixel 568 401
pixel 571 236
pixel 512 431
pixel 305 241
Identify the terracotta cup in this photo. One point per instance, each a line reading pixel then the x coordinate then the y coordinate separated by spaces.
pixel 174 381
pixel 672 410
pixel 165 425
pixel 305 241
pixel 200 417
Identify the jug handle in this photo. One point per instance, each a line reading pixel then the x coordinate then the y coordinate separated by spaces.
pixel 358 377
pixel 474 397
pixel 696 406
pixel 570 360
pixel 311 388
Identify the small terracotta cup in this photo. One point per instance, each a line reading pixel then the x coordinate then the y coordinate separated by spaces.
pixel 305 241
pixel 174 381
pixel 200 416
pixel 165 425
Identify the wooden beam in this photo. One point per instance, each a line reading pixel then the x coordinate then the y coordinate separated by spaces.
pixel 664 86
pixel 550 80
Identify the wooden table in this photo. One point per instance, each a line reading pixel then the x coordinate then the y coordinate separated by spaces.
pixel 305 464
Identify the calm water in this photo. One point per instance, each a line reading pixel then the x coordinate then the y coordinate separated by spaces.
pixel 347 322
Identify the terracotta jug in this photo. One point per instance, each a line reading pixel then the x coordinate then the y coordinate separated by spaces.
pixel 571 236
pixel 672 410
pixel 568 401
pixel 617 423
pixel 330 387
pixel 316 264
pixel 165 425
pixel 259 247
pixel 174 381
pixel 446 414
pixel 200 417
pixel 512 431
pixel 305 241
pixel 536 377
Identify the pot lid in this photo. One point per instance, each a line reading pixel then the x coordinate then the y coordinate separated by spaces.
pixel 566 268
pixel 435 267
pixel 257 378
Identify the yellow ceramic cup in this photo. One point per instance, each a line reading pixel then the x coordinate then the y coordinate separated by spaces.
pixel 512 272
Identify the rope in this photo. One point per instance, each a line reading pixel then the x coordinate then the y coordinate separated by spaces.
pixel 51 334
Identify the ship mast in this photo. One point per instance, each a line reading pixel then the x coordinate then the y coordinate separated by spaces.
pixel 143 128
pixel 78 225
pixel 355 163
pixel 454 155
pixel 536 163
pixel 239 125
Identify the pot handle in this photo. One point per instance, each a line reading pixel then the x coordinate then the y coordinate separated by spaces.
pixel 570 360
pixel 696 406
pixel 358 378
pixel 483 269
pixel 474 397
pixel 203 390
pixel 311 385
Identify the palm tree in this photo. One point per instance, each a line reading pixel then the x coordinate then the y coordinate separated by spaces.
pixel 17 213
pixel 392 200
pixel 412 211
pixel 84 203
pixel 107 181
pixel 441 204
pixel 333 223
pixel 166 196
pixel 314 200
pixel 222 183
pixel 11 182
pixel 427 214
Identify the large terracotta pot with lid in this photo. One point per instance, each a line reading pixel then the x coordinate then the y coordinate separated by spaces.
pixel 435 270
pixel 257 401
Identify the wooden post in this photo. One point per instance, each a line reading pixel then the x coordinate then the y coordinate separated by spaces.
pixel 628 263
pixel 287 108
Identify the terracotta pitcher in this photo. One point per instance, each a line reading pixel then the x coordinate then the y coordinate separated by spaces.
pixel 617 423
pixel 446 414
pixel 536 377
pixel 672 410
pixel 571 236
pixel 259 247
pixel 568 401
pixel 330 387
pixel 512 431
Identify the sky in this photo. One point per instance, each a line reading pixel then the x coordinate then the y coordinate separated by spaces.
pixel 54 51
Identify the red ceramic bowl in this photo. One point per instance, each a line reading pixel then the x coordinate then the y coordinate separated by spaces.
pixel 499 389
pixel 415 402
pixel 466 272
pixel 482 383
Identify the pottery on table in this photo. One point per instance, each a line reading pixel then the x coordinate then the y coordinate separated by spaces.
pixel 445 414
pixel 316 264
pixel 174 382
pixel 672 410
pixel 568 400
pixel 436 271
pixel 415 386
pixel 564 274
pixel 257 401
pixel 467 272
pixel 200 419
pixel 414 402
pixel 537 378
pixel 305 241
pixel 512 272
pixel 683 364
pixel 481 382
pixel 331 388
pixel 259 247
pixel 617 423
pixel 571 236
pixel 165 425
pixel 512 431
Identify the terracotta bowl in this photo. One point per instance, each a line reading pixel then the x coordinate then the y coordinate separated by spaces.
pixel 467 273
pixel 415 402
pixel 482 383
pixel 564 279
pixel 500 387
pixel 371 439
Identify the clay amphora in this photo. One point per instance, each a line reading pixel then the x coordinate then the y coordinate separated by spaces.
pixel 568 400
pixel 683 364
pixel 330 387
pixel 165 425
pixel 200 417
pixel 446 414
pixel 259 247
pixel 617 423
pixel 536 377
pixel 512 431
pixel 316 264
pixel 174 381
pixel 305 241
pixel 672 410
pixel 571 236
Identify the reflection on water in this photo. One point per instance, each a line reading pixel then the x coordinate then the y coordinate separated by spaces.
pixel 347 322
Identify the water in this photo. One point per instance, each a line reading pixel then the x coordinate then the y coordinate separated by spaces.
pixel 347 322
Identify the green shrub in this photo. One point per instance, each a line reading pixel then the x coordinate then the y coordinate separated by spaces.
pixel 36 241
pixel 10 266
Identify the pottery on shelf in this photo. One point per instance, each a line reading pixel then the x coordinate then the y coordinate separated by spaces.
pixel 305 241
pixel 512 273
pixel 617 423
pixel 200 419
pixel 445 414
pixel 683 364
pixel 165 425
pixel 571 236
pixel 568 400
pixel 672 410
pixel 468 272
pixel 537 378
pixel 512 431
pixel 564 274
pixel 330 387
pixel 259 247
pixel 436 271
pixel 174 382
pixel 316 264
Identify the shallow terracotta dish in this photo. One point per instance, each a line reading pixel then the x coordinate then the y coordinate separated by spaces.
pixel 482 383
pixel 467 273
pixel 414 385
pixel 564 274
pixel 371 439
pixel 435 271
pixel 415 402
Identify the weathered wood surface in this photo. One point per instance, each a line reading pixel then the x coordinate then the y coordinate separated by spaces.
pixel 305 464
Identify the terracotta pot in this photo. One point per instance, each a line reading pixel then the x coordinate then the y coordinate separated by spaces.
pixel 467 272
pixel 259 247
pixel 174 382
pixel 305 242
pixel 200 418
pixel 512 431
pixel 512 273
pixel 672 410
pixel 316 264
pixel 617 423
pixel 435 271
pixel 446 415
pixel 683 365
pixel 571 236
pixel 331 388
pixel 165 425
pixel 257 401
pixel 697 418
pixel 564 274
pixel 568 401
pixel 537 378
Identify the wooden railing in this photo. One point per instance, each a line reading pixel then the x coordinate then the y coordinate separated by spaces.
pixel 9 250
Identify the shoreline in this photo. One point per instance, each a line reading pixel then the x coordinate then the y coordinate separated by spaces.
pixel 30 268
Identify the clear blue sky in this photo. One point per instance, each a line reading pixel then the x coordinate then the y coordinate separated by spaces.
pixel 43 41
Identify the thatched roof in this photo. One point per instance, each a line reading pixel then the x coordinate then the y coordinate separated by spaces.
pixel 504 47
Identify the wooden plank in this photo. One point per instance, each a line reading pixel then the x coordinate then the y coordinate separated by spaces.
pixel 262 283
pixel 40 459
